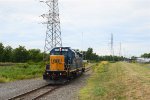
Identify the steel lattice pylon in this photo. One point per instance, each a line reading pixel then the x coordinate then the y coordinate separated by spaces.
pixel 53 33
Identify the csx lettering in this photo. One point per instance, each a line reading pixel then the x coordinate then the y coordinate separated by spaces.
pixel 55 61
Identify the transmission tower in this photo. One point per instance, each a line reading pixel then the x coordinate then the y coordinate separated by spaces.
pixel 53 32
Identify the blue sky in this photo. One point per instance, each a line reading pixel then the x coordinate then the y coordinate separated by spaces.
pixel 128 20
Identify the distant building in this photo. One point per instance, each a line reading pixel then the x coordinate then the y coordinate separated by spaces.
pixel 143 60
pixel 85 61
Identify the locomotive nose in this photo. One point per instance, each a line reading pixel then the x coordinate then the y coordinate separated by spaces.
pixel 57 62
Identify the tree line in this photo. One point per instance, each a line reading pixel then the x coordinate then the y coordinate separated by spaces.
pixel 20 54
pixel 90 55
pixel 146 55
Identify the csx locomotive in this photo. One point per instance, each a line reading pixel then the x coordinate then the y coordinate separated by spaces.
pixel 65 63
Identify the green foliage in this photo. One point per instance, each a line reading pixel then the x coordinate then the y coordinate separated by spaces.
pixel 111 58
pixel 90 55
pixel 1 51
pixel 105 83
pixel 35 55
pixel 22 66
pixel 20 71
pixel 3 80
pixel 146 55
pixel 7 54
pixel 99 91
pixel 20 54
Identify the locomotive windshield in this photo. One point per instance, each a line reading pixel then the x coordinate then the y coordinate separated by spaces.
pixel 61 51
pixel 67 52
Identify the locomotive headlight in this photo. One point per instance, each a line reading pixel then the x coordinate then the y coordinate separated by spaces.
pixel 60 49
pixel 60 74
pixel 47 73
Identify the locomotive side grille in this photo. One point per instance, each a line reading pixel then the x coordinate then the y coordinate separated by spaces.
pixel 57 62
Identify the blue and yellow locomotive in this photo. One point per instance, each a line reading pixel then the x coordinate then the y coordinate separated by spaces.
pixel 65 63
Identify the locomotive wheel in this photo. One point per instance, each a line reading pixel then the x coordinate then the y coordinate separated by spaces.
pixel 74 75
pixel 83 69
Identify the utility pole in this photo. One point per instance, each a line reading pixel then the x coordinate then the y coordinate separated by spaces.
pixel 112 45
pixel 82 43
pixel 120 49
pixel 53 32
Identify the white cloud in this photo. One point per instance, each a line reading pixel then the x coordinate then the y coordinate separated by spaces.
pixel 127 19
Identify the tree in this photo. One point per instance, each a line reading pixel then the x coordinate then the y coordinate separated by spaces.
pixel 146 55
pixel 20 54
pixel 89 54
pixel 1 52
pixel 35 55
pixel 7 54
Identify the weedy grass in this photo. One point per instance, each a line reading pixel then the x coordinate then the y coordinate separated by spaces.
pixel 20 72
pixel 105 83
pixel 118 81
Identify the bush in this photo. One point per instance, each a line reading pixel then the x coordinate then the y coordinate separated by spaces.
pixel 3 80
pixel 21 71
pixel 23 66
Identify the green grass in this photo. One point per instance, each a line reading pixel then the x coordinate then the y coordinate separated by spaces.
pixel 105 84
pixel 117 81
pixel 20 72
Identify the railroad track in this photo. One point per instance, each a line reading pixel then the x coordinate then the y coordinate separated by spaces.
pixel 36 94
pixel 88 69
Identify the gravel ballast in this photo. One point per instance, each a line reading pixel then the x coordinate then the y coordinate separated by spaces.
pixel 67 92
pixel 8 90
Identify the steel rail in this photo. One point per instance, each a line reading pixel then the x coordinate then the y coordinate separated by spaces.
pixel 30 92
pixel 46 93
pixel 43 94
